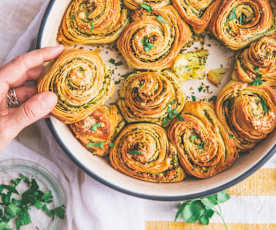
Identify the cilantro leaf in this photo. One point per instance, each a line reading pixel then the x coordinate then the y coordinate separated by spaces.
pixel 4 226
pixel 22 219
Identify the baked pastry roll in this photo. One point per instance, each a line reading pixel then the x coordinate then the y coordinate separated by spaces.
pixel 203 144
pixel 257 63
pixel 143 151
pixel 197 13
pixel 248 112
pixel 239 22
pixel 150 4
pixel 96 132
pixel 153 40
pixel 92 22
pixel 81 81
pixel 151 96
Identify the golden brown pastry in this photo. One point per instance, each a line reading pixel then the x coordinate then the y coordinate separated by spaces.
pixel 143 151
pixel 247 111
pixel 96 132
pixel 239 22
pixel 147 4
pixel 197 13
pixel 257 63
pixel 151 96
pixel 204 146
pixel 92 22
pixel 81 81
pixel 153 40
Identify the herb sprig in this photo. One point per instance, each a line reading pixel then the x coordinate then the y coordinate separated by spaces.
pixel 201 210
pixel 16 206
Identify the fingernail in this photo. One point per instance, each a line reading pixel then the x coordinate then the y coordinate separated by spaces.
pixel 48 100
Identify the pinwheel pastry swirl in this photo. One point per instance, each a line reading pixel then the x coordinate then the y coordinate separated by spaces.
pixel 153 40
pixel 151 96
pixel 148 4
pixel 97 131
pixel 239 22
pixel 204 146
pixel 143 151
pixel 81 82
pixel 92 22
pixel 247 111
pixel 257 63
pixel 197 13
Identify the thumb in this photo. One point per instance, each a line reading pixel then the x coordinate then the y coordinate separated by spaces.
pixel 32 110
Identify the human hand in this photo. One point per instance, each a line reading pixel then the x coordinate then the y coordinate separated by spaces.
pixel 31 106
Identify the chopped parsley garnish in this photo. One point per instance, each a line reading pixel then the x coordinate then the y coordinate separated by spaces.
pixel 16 206
pixel 232 15
pixel 95 126
pixel 261 11
pixel 117 82
pixel 193 137
pixel 147 45
pixel 264 105
pixel 73 18
pixel 200 89
pixel 231 136
pixel 141 84
pixel 95 144
pixel 180 118
pixel 256 68
pixel 161 19
pixel 193 98
pixel 111 144
pixel 201 210
pixel 133 151
pixel 92 25
pixel 172 102
pixel 257 81
pixel 113 61
pixel 146 7
pixel 200 146
pixel 165 121
pixel 213 99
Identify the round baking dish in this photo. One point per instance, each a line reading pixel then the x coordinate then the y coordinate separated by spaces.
pixel 99 168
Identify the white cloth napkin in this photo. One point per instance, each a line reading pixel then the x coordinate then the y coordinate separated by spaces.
pixel 94 206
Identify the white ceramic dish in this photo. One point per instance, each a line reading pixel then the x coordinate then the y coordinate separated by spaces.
pixel 99 168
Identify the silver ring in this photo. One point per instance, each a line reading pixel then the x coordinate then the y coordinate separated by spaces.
pixel 12 99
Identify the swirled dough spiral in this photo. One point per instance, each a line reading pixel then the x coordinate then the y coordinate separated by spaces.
pixel 81 81
pixel 248 112
pixel 92 22
pixel 204 146
pixel 151 96
pixel 153 40
pixel 197 13
pixel 143 151
pixel 239 22
pixel 257 62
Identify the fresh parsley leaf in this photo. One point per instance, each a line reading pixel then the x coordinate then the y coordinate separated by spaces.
pixel 213 99
pixel 95 126
pixel 147 45
pixel 192 211
pixel 146 7
pixel 47 211
pixel 111 144
pixel 231 136
pixel 112 61
pixel 22 219
pixel 165 121
pixel 256 68
pixel 118 63
pixel 4 226
pixel 47 197
pixel 193 98
pixel 193 137
pixel 202 209
pixel 200 146
pixel 180 118
pixel 12 210
pixel 200 89
pixel 59 212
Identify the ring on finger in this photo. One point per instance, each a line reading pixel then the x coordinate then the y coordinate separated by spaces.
pixel 12 99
